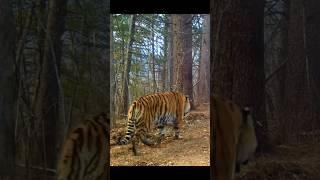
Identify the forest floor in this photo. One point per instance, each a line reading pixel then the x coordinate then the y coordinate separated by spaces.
pixel 286 162
pixel 192 150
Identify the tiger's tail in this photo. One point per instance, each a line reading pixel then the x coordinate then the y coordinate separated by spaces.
pixel 133 116
pixel 129 133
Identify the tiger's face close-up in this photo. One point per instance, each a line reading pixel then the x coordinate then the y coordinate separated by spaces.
pixel 235 140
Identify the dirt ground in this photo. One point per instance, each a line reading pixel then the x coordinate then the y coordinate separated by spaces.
pixel 286 162
pixel 192 150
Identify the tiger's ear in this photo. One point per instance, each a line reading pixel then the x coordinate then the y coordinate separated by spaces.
pixel 103 119
pixel 246 109
pixel 246 113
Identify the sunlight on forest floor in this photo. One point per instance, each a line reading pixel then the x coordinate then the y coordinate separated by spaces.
pixel 286 162
pixel 192 150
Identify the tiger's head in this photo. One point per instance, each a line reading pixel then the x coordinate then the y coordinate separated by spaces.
pixel 235 137
pixel 103 119
pixel 187 105
pixel 247 143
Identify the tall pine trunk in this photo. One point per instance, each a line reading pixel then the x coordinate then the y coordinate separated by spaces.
pixel 312 25
pixel 49 95
pixel 187 55
pixel 170 55
pixel 177 23
pixel 238 60
pixel 125 86
pixel 182 54
pixel 8 91
pixel 204 68
pixel 237 71
pixel 297 102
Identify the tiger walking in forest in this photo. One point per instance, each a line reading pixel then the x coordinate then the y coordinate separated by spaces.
pixel 154 110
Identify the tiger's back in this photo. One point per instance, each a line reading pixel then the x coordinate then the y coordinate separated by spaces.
pixel 84 154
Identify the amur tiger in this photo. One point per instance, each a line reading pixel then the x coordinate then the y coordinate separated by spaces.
pixel 85 152
pixel 235 139
pixel 154 110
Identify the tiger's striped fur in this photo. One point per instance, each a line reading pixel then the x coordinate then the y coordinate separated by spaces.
pixel 152 110
pixel 84 154
pixel 234 137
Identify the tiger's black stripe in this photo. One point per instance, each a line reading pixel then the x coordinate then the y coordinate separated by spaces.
pixel 84 154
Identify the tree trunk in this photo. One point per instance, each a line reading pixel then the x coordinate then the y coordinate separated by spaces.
pixel 178 54
pixel 312 24
pixel 204 68
pixel 113 80
pixel 282 74
pixel 297 111
pixel 164 72
pixel 153 64
pixel 238 64
pixel 187 55
pixel 170 54
pixel 125 92
pixel 108 64
pixel 8 91
pixel 47 106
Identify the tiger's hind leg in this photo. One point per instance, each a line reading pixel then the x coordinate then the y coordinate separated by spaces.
pixel 177 128
pixel 135 142
pixel 161 134
pixel 177 134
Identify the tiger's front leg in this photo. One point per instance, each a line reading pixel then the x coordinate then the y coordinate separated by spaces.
pixel 177 131
pixel 161 129
pixel 160 136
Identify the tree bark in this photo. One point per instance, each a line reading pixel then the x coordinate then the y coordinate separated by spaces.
pixel 182 54
pixel 153 63
pixel 47 106
pixel 204 68
pixel 297 95
pixel 108 64
pixel 238 60
pixel 8 90
pixel 170 54
pixel 125 92
pixel 164 72
pixel 113 73
pixel 177 23
pixel 312 25
pixel 187 55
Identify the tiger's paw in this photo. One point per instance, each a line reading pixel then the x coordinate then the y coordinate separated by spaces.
pixel 178 137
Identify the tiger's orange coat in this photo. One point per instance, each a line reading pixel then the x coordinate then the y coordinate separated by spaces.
pixel 85 154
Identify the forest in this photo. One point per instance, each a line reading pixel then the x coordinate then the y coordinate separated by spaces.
pixel 159 53
pixel 265 54
pixel 54 73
